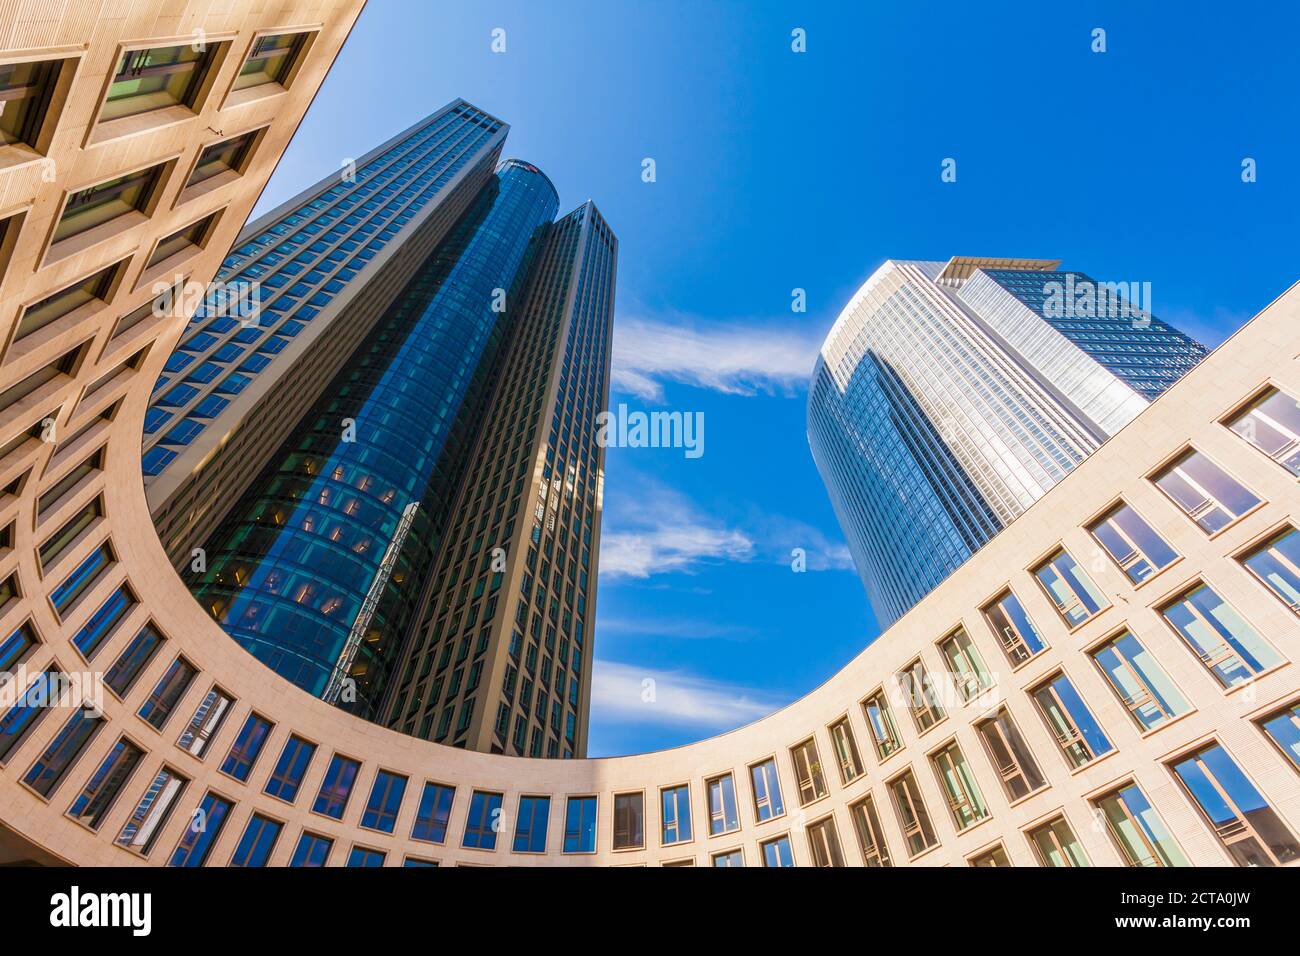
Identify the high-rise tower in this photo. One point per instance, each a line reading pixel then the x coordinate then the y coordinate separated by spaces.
pixel 417 536
pixel 303 285
pixel 948 397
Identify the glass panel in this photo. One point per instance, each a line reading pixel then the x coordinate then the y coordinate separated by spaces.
pixel 1077 733
pixel 1140 682
pixel 629 821
pixel 1132 543
pixel 722 805
pixel 102 789
pixel 1283 728
pixel 1138 832
pixel 151 813
pixel 336 787
pixel 258 841
pixel 433 814
pixel 1272 424
pixel 1073 592
pixel 676 816
pixel 385 801
pixel 1206 493
pixel 580 825
pixel 25 90
pixel 1277 564
pixel 1250 830
pixel 152 79
pixel 767 791
pixel 1057 846
pixel 1233 651
pixel 777 852
pixel 1013 629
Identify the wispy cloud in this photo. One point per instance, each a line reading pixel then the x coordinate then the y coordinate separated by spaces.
pixel 655 529
pixel 630 694
pixel 670 547
pixel 677 628
pixel 737 358
pixel 658 530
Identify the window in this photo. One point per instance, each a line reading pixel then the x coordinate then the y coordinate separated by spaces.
pixel 151 813
pixel 289 770
pixel 1010 756
pixel 1013 628
pixel 481 825
pixel 82 577
pixel 15 648
pixel 1277 564
pixel 1068 718
pixel 991 858
pixel 51 766
pixel 271 60
pixel 205 723
pixel 1140 683
pixel 912 815
pixel 121 677
pixel 530 830
pixel 1226 644
pixel 629 821
pixel 767 790
pixel 824 843
pixel 846 751
pixel 729 858
pixel 808 774
pixel 30 708
pixel 921 697
pixel 97 287
pixel 1249 829
pixel 105 784
pixel 1205 493
pixel 966 665
pixel 580 825
pixel 1075 596
pixel 434 812
pixel 721 793
pixel 258 841
pixel 871 838
pixel 1272 424
pixel 168 693
pixel 1055 844
pixel 883 732
pixel 228 156
pixel 152 79
pixel 247 747
pixel 100 625
pixel 203 829
pixel 364 856
pixel 1138 832
pixel 776 852
pixel 335 789
pixel 1283 728
pixel 676 814
pixel 1131 543
pixel 102 203
pixel 959 786
pixel 385 801
pixel 192 237
pixel 312 850
pixel 26 90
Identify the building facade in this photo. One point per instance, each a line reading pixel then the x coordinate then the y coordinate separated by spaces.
pixel 948 397
pixel 1111 681
pixel 303 286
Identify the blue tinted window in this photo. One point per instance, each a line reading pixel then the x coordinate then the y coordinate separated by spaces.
pixel 258 841
pixel 287 776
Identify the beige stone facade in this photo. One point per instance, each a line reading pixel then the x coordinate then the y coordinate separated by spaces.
pixel 98 402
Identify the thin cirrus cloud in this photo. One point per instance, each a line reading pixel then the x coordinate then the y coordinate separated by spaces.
pixel 731 357
pixel 629 694
pixel 657 530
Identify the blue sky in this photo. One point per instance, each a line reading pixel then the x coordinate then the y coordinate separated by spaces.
pixel 778 170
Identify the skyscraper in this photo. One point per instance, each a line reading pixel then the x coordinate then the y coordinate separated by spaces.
pixel 428 437
pixel 948 397
pixel 303 285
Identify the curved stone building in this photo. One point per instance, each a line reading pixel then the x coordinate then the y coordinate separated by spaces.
pixel 948 397
pixel 1110 681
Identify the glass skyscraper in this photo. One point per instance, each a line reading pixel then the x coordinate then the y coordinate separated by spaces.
pixel 948 397
pixel 389 530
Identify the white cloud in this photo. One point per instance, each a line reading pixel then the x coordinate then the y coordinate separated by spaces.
pixel 670 547
pixel 732 357
pixel 627 693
